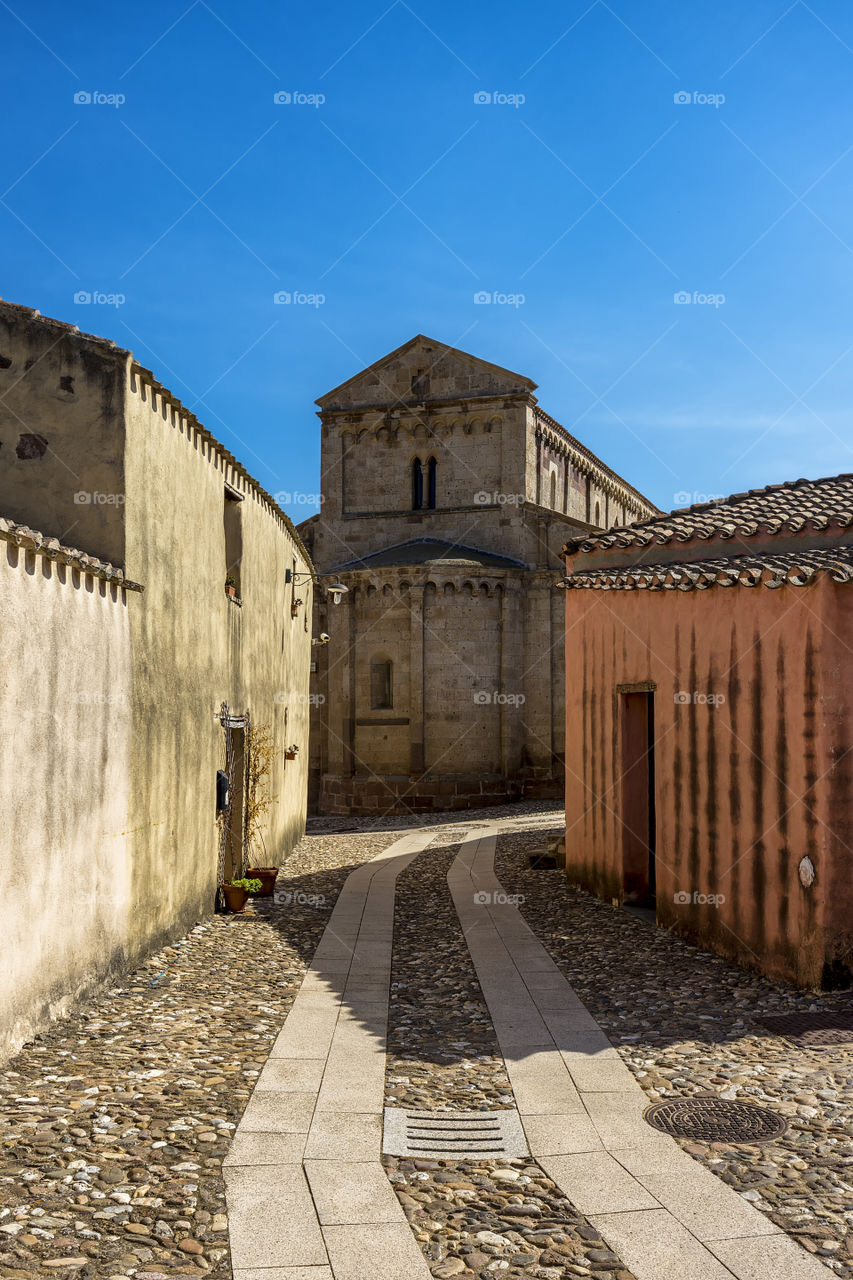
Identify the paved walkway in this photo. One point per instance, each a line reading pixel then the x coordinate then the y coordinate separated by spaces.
pixel 665 1215
pixel 308 1198
pixel 307 1195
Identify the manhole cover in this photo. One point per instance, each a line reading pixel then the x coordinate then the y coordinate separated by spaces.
pixel 812 1028
pixel 714 1119
pixel 448 1135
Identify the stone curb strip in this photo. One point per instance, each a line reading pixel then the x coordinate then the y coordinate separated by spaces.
pixel 307 1196
pixel 666 1216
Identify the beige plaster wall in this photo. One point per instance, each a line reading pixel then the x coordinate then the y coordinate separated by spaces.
pixel 109 792
pixel 66 707
pixel 194 648
pixel 61 467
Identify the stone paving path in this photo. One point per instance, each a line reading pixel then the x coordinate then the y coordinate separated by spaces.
pixel 581 1108
pixel 115 1124
pixel 483 1216
pixel 685 1023
pixel 309 1141
pixel 582 1112
pixel 115 1121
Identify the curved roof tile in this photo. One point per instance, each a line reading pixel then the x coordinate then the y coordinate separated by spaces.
pixel 793 568
pixel 798 506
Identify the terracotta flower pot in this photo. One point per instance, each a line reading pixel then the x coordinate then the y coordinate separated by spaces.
pixel 267 876
pixel 235 899
pixel 231 591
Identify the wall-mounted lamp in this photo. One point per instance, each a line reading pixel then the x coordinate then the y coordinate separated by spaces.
pixel 334 589
pixel 323 638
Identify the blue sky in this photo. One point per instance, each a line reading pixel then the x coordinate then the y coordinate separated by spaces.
pixel 400 196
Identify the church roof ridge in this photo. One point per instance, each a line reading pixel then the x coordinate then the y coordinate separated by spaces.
pixel 445 350
pixel 552 422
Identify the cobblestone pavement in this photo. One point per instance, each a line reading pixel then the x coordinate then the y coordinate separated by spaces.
pixel 685 1023
pixel 115 1122
pixel 490 1218
pixel 498 1218
pixel 442 1050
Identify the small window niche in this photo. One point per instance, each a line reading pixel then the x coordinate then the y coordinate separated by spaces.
pixel 233 522
pixel 381 684
pixel 432 467
pixel 417 485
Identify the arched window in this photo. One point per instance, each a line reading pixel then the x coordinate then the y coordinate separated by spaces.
pixel 417 485
pixel 598 514
pixel 431 470
pixel 381 684
pixel 553 502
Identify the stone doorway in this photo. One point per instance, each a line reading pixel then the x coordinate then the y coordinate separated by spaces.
pixel 639 872
pixel 233 819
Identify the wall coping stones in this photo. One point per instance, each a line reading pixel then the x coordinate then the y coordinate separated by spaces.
pixel 20 535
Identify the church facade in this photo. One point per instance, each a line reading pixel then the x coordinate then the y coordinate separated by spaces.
pixel 448 495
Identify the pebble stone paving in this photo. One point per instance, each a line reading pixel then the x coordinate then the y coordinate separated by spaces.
pixel 114 1122
pixel 685 1023
pixel 484 1218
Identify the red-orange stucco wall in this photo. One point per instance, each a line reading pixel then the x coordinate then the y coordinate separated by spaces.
pixel 746 785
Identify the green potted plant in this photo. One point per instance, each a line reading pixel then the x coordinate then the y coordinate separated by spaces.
pixel 265 877
pixel 237 892
pixel 231 587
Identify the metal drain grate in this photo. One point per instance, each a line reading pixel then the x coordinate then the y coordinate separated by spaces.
pixel 449 1135
pixel 714 1119
pixel 812 1028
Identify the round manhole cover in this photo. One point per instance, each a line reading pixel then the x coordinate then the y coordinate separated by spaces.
pixel 713 1119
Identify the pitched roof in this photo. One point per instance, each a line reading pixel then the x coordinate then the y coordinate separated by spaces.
pixel 431 551
pixel 526 384
pixel 796 507
pixel 791 568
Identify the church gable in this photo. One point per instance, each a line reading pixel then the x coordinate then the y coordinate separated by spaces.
pixel 424 370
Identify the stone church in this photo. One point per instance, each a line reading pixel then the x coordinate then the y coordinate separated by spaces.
pixel 448 494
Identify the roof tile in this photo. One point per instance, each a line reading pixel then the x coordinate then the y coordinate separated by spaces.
pixel 793 568
pixel 801 505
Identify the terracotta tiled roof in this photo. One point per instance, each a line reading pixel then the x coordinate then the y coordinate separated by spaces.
pixel 800 505
pixel 793 568
pixel 31 540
